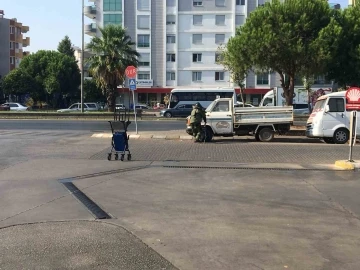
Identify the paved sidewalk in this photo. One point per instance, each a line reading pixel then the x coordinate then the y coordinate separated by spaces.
pixel 76 245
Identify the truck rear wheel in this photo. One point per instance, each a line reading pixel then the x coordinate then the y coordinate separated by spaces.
pixel 266 135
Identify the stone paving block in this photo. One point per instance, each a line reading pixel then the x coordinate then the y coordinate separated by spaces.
pixel 172 137
pixel 159 136
pixel 134 136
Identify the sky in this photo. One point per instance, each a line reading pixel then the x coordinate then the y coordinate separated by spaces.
pixel 50 21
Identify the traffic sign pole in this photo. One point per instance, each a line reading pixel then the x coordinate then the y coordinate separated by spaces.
pixel 136 126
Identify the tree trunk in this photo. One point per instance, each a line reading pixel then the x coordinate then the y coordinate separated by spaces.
pixel 290 92
pixel 111 99
pixel 241 95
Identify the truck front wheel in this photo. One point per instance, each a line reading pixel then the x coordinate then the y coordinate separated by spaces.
pixel 341 136
pixel 266 135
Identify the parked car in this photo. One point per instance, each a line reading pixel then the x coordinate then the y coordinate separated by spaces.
pixel 160 107
pixel 142 106
pixel 16 106
pixel 180 110
pixel 301 109
pixel 77 107
pixel 120 107
pixel 4 107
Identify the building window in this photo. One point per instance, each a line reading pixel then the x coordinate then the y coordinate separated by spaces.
pixel 240 2
pixel 170 39
pixel 143 75
pixel 170 76
pixel 170 19
pixel 143 41
pixel 197 19
pixel 220 19
pixel 12 30
pixel 219 38
pixel 197 38
pixel 239 19
pixel 12 60
pixel 197 57
pixel 196 76
pixel 261 3
pixel 218 57
pixel 144 60
pixel 220 3
pixel 170 57
pixel 197 3
pixel 11 45
pixel 219 76
pixel 262 78
pixel 143 4
pixel 112 19
pixel 16 45
pixel 112 5
pixel 143 21
pixel 170 3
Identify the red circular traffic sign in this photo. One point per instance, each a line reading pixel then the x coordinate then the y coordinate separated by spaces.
pixel 130 72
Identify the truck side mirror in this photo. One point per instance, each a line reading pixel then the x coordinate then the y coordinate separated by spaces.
pixel 327 108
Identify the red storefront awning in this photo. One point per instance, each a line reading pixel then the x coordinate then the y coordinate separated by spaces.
pixel 161 90
pixel 254 91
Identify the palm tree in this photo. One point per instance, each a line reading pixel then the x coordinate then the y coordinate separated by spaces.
pixel 113 52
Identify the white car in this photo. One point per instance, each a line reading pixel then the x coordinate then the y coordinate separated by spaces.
pixel 120 107
pixel 16 106
pixel 77 107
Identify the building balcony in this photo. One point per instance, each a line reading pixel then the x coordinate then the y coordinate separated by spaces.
pixel 24 29
pixel 90 29
pixel 26 53
pixel 26 42
pixel 90 12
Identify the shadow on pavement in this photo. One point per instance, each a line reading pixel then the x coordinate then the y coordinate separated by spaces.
pixel 219 140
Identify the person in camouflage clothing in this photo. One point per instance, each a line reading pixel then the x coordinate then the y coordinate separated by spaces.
pixel 197 115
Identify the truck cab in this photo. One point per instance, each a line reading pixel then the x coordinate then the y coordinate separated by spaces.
pixel 330 120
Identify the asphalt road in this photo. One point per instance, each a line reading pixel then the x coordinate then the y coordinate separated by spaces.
pixel 93 126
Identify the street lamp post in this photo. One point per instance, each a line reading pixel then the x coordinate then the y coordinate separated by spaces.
pixel 82 58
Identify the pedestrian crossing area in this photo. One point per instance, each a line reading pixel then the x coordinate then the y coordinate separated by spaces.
pixel 39 133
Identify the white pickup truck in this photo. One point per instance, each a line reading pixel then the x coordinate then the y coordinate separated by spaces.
pixel 223 119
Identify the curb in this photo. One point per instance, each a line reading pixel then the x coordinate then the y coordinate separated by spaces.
pixel 347 165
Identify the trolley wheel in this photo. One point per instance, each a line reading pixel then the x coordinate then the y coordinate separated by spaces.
pixel 129 157
pixel 109 156
pixel 116 156
pixel 122 157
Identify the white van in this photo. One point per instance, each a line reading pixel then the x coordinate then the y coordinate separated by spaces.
pixel 329 119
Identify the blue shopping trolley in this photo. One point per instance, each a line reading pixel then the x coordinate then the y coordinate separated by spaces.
pixel 120 140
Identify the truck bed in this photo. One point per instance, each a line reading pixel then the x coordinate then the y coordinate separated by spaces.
pixel 264 115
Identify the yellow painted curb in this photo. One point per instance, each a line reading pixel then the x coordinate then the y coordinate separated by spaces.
pixel 345 164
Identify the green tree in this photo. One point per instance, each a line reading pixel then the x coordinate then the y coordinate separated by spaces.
pixel 56 73
pixel 113 52
pixel 342 37
pixel 237 64
pixel 283 37
pixel 92 92
pixel 65 47
pixel 18 82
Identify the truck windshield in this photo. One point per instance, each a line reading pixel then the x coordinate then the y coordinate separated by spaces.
pixel 208 109
pixel 319 105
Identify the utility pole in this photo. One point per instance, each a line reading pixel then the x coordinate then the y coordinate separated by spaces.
pixel 82 58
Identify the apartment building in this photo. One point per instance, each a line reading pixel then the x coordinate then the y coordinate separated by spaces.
pixel 12 43
pixel 179 42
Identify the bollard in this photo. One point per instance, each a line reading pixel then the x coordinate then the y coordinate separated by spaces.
pixel 353 123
